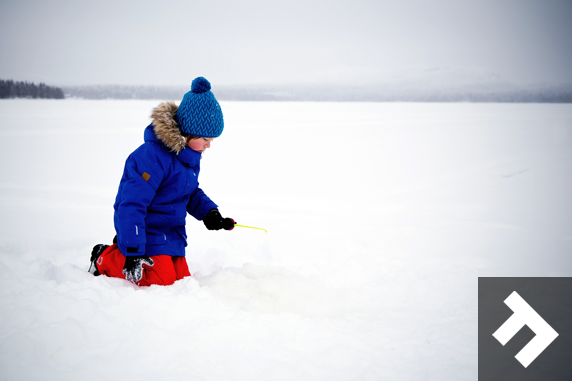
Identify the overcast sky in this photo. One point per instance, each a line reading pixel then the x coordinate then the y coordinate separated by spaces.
pixel 169 42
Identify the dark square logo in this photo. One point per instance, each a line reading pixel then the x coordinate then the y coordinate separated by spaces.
pixel 525 329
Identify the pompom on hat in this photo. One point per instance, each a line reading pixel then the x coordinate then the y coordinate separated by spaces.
pixel 199 113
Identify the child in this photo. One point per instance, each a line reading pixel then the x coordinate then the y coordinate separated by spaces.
pixel 158 188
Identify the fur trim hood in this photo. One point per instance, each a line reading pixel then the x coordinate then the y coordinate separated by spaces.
pixel 165 127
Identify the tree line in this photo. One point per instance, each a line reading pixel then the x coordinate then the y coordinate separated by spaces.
pixel 11 89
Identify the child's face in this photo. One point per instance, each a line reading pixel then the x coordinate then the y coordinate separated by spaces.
pixel 199 144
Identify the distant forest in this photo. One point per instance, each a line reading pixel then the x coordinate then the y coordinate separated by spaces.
pixel 537 94
pixel 534 94
pixel 11 89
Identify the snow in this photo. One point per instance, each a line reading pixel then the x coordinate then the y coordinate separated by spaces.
pixel 380 218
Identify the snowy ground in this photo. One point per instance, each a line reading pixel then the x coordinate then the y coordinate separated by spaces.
pixel 380 218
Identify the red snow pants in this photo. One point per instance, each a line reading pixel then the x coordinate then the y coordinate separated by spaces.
pixel 165 271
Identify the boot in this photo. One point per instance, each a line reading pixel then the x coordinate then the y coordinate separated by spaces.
pixel 95 253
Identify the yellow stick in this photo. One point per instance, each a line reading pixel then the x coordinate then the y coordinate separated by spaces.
pixel 251 227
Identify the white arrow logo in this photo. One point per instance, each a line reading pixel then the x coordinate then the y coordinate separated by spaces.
pixel 523 315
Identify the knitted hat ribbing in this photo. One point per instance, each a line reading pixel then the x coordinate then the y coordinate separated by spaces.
pixel 199 113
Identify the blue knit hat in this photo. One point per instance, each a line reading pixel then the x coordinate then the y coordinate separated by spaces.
pixel 199 113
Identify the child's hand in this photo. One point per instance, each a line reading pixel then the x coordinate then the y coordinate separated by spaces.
pixel 133 268
pixel 214 221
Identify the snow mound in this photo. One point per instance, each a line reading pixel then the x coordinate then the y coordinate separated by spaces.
pixel 267 289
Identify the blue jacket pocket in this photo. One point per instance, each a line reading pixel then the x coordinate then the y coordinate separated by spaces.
pixel 155 237
pixel 182 233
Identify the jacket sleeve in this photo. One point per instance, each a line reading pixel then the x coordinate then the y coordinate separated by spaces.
pixel 142 176
pixel 200 204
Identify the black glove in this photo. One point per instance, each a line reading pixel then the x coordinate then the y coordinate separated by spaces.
pixel 214 221
pixel 133 268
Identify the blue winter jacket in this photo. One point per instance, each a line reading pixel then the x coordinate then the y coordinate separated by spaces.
pixel 158 188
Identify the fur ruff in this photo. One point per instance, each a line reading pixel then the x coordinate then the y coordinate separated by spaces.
pixel 166 128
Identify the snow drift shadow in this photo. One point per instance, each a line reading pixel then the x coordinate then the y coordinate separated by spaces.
pixel 266 289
